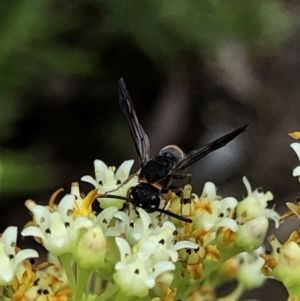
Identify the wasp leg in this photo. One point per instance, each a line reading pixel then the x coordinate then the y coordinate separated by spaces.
pixel 125 182
pixel 170 213
pixel 172 188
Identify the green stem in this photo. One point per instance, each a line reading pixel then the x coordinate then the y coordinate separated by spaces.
pixel 98 284
pixel 191 288
pixel 1 295
pixel 110 291
pixel 120 296
pixel 82 280
pixel 66 260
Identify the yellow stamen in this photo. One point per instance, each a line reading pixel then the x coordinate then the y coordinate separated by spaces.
pixel 226 235
pixel 54 196
pixel 294 210
pixel 295 237
pixel 85 208
pixel 212 253
pixel 203 207
pixel 295 135
pixel 195 270
pixel 170 295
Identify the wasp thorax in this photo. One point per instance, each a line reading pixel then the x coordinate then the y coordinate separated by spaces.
pixel 172 153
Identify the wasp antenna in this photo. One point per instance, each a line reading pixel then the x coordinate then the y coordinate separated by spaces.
pixel 170 213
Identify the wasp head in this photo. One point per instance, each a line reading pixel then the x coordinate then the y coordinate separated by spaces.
pixel 145 196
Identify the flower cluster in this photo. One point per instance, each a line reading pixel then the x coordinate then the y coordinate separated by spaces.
pixel 122 252
pixel 282 262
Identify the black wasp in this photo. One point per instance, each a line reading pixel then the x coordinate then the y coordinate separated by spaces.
pixel 157 174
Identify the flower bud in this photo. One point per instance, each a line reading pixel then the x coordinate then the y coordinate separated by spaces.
pixel 249 269
pixel 91 249
pixel 254 204
pixel 287 269
pixel 251 235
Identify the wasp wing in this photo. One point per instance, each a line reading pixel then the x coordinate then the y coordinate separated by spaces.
pixel 140 138
pixel 197 154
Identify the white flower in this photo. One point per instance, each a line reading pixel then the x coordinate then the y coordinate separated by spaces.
pixel 104 219
pixel 296 147
pixel 254 205
pixel 246 267
pixel 164 243
pixel 252 217
pixel 213 213
pixel 142 230
pixel 249 271
pixel 11 263
pixel 287 268
pixel 58 230
pixel 135 272
pixel 107 180
pixel 148 252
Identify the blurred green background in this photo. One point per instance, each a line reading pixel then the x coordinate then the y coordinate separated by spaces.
pixel 195 70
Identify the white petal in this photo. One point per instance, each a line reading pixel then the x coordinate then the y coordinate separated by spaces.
pixel 123 217
pixel 272 214
pixel 184 244
pixel 124 170
pixel 169 225
pixel 296 147
pixel 209 192
pixel 33 231
pixel 4 259
pixel 57 227
pixel 229 202
pixel 58 245
pixel 228 223
pixel 247 185
pixel 90 180
pixel 172 254
pixel 106 215
pixel 66 204
pixel 296 171
pixel 149 281
pixel 9 238
pixel 42 216
pixel 146 220
pixel 6 276
pixel 133 284
pixel 120 265
pixel 81 223
pixel 124 248
pixel 75 190
pixel 111 232
pixel 146 250
pixel 24 254
pixel 162 267
pixel 100 171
